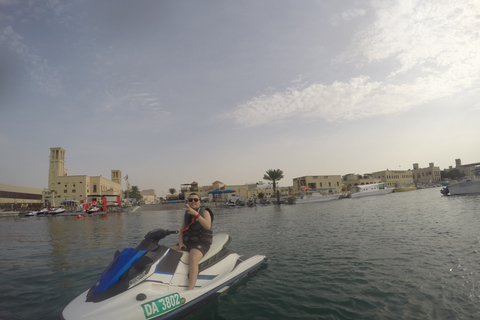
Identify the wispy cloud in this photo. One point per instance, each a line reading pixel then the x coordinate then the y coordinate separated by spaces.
pixel 356 99
pixel 131 97
pixel 431 50
pixel 44 73
pixel 352 14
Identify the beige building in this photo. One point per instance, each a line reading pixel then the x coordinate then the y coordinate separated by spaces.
pixel 352 179
pixel 20 198
pixel 245 191
pixel 394 178
pixel 467 169
pixel 323 184
pixel 250 190
pixel 62 187
pixel 149 196
pixel 426 176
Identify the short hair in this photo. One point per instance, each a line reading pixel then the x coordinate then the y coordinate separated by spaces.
pixel 194 194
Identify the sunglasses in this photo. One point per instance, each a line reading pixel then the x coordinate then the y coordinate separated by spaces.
pixel 191 200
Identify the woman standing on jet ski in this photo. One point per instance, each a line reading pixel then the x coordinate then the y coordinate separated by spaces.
pixel 195 234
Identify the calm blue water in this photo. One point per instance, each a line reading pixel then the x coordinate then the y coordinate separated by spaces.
pixel 412 255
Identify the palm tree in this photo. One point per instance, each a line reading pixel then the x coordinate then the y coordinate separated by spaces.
pixel 274 175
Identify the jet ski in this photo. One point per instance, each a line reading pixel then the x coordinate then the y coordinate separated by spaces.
pixel 151 281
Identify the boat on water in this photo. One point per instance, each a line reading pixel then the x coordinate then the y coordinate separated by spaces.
pixel 235 201
pixel 345 195
pixel 43 211
pixel 404 188
pixel 468 185
pixel 92 209
pixel 56 210
pixel 317 197
pixel 151 281
pixel 373 189
pixel 32 213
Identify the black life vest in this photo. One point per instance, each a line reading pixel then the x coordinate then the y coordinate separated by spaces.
pixel 194 232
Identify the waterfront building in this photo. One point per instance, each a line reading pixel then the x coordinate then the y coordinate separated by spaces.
pixel 322 184
pixel 81 188
pixel 187 188
pixel 352 179
pixel 245 191
pixel 426 176
pixel 394 178
pixel 19 198
pixel 250 190
pixel 149 196
pixel 466 169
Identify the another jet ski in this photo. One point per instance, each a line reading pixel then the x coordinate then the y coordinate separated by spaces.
pixel 151 281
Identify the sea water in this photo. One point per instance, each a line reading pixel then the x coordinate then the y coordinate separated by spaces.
pixel 411 255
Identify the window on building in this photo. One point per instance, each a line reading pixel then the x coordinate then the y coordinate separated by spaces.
pixel 73 190
pixel 94 188
pixel 65 191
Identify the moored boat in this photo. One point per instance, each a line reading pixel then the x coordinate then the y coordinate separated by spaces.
pixel 404 188
pixel 468 185
pixel 57 210
pixel 42 211
pixel 317 197
pixel 32 213
pixel 93 209
pixel 373 189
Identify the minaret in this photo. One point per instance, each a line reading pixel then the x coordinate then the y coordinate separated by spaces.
pixel 57 166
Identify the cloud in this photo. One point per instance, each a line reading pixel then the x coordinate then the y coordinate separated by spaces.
pixel 44 74
pixel 352 14
pixel 429 48
pixel 436 33
pixel 356 99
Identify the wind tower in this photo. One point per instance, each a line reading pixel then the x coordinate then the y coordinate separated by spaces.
pixel 117 176
pixel 57 166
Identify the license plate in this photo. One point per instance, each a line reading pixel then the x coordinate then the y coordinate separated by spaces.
pixel 159 306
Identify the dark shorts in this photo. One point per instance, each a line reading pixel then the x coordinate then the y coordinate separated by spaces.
pixel 203 247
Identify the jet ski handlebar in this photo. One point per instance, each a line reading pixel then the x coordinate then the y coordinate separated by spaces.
pixel 158 234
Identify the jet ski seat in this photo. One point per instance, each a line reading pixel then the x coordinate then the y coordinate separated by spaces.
pixel 216 252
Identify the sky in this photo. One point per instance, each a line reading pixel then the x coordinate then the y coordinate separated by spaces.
pixel 171 92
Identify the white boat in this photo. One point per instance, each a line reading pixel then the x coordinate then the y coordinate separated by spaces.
pixel 57 210
pixel 403 188
pixel 42 211
pixel 93 209
pixel 373 189
pixel 317 197
pixel 468 185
